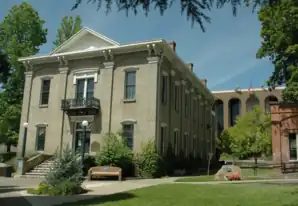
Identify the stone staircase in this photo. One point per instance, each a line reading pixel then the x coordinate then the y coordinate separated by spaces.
pixel 40 170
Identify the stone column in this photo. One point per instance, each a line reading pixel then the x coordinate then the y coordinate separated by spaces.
pixel 226 115
pixel 107 74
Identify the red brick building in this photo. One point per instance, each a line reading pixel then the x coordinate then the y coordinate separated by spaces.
pixel 284 132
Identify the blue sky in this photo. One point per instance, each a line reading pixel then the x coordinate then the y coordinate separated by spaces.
pixel 224 54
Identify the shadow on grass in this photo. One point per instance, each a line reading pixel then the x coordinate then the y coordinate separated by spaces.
pixel 100 200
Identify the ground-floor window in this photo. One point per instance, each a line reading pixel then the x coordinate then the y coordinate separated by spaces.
pixel 128 133
pixel 40 138
pixel 79 137
pixel 163 134
pixel 176 146
pixel 293 146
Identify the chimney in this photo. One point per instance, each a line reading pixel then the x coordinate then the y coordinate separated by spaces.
pixel 172 44
pixel 190 66
pixel 204 81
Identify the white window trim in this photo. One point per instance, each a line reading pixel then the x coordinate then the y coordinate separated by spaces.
pixel 85 74
pixel 164 73
pixel 130 69
pixel 163 124
pixel 128 121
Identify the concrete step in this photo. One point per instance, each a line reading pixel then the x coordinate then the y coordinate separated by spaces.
pixel 36 173
pixel 44 166
pixel 33 176
pixel 40 170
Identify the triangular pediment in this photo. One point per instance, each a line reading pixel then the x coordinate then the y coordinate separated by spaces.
pixel 84 40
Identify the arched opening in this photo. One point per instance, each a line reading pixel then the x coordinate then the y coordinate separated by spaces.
pixel 234 110
pixel 219 112
pixel 268 100
pixel 251 102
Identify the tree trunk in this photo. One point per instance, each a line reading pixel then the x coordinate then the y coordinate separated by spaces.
pixel 8 147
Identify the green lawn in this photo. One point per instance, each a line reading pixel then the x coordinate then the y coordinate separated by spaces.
pixel 200 195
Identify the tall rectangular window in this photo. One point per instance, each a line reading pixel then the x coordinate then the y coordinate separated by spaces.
pixel 175 145
pixel 130 85
pixel 185 139
pixel 194 110
pixel 85 88
pixel 164 89
pixel 186 105
pixel 45 91
pixel 128 132
pixel 176 97
pixel 163 133
pixel 293 146
pixel 40 138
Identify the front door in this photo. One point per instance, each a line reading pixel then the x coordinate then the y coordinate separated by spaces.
pixel 79 135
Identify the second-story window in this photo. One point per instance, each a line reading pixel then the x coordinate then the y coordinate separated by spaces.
pixel 194 110
pixel 176 97
pixel 186 104
pixel 130 85
pixel 45 91
pixel 85 88
pixel 164 81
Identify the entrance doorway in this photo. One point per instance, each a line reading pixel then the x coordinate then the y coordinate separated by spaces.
pixel 78 138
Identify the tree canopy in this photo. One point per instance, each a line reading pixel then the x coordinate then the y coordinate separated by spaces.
pixel 22 32
pixel 69 26
pixel 251 136
pixel 280 44
pixel 195 10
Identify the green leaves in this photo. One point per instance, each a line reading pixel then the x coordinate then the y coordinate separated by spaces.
pixel 280 43
pixel 69 27
pixel 195 10
pixel 251 136
pixel 22 32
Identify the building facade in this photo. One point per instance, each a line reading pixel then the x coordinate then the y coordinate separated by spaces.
pixel 284 132
pixel 143 89
pixel 231 103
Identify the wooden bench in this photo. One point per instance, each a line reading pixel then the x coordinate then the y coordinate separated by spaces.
pixel 104 171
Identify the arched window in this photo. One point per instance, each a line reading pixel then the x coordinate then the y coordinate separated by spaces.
pixel 234 110
pixel 251 102
pixel 268 100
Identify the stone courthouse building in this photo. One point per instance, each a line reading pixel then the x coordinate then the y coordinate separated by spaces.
pixel 144 89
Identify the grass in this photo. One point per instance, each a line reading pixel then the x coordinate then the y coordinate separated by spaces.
pixel 247 174
pixel 200 195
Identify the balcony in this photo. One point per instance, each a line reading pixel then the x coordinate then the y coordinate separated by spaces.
pixel 82 106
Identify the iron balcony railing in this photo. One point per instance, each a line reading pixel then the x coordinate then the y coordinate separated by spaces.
pixel 80 103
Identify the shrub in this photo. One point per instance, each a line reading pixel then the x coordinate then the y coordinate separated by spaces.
pixel 115 152
pixel 4 157
pixel 66 169
pixel 148 161
pixel 64 188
